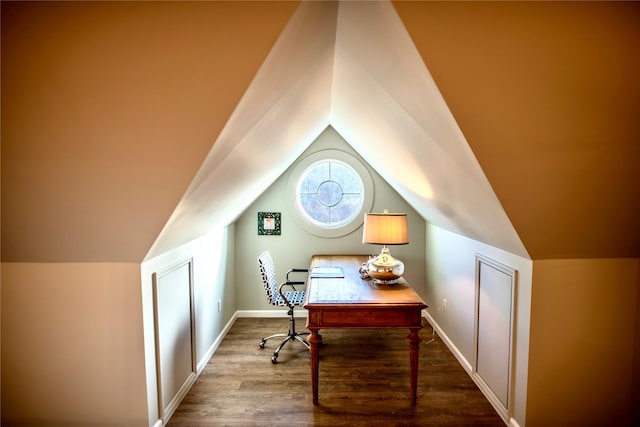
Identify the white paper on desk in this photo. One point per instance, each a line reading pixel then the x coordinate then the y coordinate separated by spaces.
pixel 327 272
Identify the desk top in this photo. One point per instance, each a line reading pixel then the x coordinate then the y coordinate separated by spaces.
pixel 351 289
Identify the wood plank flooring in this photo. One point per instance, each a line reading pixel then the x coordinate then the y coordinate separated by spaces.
pixel 364 381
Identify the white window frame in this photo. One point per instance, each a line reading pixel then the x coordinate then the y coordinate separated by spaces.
pixel 367 191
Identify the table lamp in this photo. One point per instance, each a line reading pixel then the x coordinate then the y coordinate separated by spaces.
pixel 385 229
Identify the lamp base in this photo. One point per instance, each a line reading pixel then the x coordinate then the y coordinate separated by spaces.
pixel 384 269
pixel 385 282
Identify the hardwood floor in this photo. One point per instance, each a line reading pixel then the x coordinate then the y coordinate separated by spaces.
pixel 364 381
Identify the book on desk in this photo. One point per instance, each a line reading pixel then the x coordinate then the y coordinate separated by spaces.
pixel 327 272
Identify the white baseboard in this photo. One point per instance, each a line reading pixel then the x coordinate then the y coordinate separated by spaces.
pixel 491 397
pixel 201 365
pixel 458 355
pixel 241 313
pixel 269 313
pixel 216 343
pixel 466 365
pixel 175 402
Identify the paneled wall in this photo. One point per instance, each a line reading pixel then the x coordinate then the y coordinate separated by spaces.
pixel 452 276
pixel 214 305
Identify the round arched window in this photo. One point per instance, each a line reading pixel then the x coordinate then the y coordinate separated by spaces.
pixel 332 192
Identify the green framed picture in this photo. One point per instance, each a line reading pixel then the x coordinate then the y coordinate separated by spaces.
pixel 269 223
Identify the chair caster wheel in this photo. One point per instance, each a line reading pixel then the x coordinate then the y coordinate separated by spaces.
pixel 274 359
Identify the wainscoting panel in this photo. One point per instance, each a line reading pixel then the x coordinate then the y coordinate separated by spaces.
pixel 175 335
pixel 495 291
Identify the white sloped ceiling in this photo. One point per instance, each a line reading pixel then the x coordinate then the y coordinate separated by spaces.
pixel 352 66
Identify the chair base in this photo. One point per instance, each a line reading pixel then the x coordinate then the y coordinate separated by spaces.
pixel 287 337
pixel 291 335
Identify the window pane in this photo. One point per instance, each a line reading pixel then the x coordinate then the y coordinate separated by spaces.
pixel 330 194
pixel 313 209
pixel 313 177
pixel 349 181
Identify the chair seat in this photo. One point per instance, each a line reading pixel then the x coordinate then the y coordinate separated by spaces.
pixel 294 297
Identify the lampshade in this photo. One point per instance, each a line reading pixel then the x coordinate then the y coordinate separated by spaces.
pixel 385 229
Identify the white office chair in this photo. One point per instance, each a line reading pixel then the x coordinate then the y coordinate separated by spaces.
pixel 276 295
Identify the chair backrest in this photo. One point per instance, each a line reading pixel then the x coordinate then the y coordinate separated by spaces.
pixel 268 273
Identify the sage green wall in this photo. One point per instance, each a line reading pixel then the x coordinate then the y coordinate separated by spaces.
pixel 295 246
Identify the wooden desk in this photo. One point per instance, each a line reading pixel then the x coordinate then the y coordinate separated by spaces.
pixel 351 302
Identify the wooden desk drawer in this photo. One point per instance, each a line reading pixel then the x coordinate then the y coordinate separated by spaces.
pixel 369 318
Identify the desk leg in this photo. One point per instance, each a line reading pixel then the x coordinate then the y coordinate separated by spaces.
pixel 314 343
pixel 414 353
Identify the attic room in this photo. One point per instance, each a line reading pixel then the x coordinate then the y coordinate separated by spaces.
pixel 138 135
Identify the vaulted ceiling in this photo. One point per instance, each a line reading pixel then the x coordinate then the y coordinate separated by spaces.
pixel 109 110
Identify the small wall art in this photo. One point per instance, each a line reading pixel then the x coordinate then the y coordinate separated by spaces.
pixel 269 223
